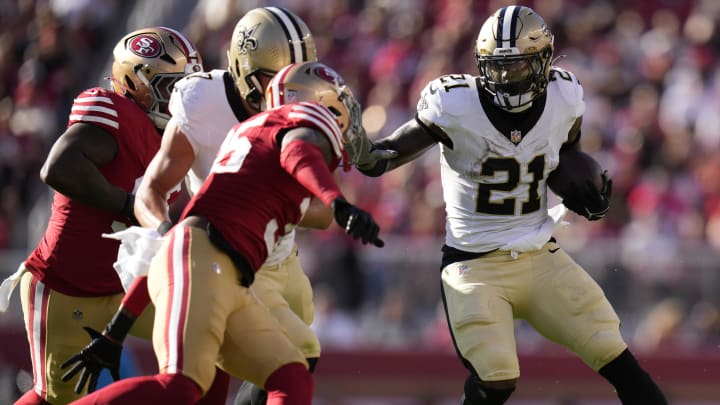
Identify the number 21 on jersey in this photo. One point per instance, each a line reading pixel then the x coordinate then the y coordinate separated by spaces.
pixel 513 172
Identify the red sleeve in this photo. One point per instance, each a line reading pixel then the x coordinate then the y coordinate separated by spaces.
pixel 137 297
pixel 304 161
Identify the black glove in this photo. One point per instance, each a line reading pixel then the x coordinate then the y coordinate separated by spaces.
pixel 356 222
pixel 99 354
pixel 586 200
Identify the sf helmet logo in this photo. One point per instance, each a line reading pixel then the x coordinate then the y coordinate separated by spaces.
pixel 329 75
pixel 145 46
pixel 246 41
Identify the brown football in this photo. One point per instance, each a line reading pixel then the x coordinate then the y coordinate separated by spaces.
pixel 575 168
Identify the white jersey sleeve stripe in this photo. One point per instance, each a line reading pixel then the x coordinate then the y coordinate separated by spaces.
pixel 92 118
pixel 105 110
pixel 323 126
pixel 322 113
pixel 93 100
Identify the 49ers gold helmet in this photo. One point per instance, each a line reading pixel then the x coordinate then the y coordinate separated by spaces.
pixel 513 52
pixel 314 81
pixel 146 65
pixel 264 41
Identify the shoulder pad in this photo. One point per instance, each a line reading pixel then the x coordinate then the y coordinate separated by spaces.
pixel 569 87
pixel 200 82
pixel 193 95
pixel 449 95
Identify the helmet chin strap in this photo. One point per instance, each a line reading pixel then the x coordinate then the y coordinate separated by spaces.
pixel 256 102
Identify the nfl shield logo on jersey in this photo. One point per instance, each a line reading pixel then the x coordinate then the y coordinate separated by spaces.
pixel 515 136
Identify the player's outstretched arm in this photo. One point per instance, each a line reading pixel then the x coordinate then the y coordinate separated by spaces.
pixel 72 169
pixel 405 144
pixel 166 170
pixel 306 154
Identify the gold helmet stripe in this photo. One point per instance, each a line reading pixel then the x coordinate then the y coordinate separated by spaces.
pixel 298 52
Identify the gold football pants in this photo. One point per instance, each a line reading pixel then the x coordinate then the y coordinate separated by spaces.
pixel 546 288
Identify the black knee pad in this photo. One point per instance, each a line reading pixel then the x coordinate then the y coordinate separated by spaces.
pixel 477 394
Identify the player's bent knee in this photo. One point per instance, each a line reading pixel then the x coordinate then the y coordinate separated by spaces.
pixel 493 365
pixel 605 346
pixel 291 381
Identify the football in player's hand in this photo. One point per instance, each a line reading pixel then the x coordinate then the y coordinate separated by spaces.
pixel 573 172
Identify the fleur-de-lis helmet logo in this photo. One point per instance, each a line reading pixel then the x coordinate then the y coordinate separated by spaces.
pixel 247 41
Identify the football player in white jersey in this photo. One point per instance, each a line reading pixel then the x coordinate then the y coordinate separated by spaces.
pixel 501 133
pixel 203 109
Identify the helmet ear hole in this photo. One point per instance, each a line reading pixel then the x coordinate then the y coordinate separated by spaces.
pixel 334 111
pixel 129 83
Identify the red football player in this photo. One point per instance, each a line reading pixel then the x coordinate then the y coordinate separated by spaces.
pixel 68 281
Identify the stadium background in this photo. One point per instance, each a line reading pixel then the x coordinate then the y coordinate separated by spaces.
pixel 651 73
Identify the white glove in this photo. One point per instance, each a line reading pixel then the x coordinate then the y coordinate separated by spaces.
pixel 8 285
pixel 138 246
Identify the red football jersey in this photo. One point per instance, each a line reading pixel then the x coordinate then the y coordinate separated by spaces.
pixel 72 257
pixel 249 196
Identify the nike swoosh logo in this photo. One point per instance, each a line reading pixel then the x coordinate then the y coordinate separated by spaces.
pixel 553 250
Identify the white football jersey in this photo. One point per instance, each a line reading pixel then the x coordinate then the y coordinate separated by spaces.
pixel 200 107
pixel 495 189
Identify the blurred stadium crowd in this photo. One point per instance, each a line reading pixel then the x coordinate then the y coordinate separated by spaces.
pixel 651 74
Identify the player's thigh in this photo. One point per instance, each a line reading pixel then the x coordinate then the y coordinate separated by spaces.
pixel 281 286
pixel 54 323
pixel 256 345
pixel 286 284
pixel 194 288
pixel 299 293
pixel 300 333
pixel 569 308
pixel 480 319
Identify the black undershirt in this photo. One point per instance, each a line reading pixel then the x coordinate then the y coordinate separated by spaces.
pixel 506 121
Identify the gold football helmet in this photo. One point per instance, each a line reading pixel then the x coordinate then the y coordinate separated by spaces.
pixel 513 53
pixel 314 81
pixel 146 65
pixel 264 41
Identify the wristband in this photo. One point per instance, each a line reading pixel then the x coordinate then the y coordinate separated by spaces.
pixel 119 327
